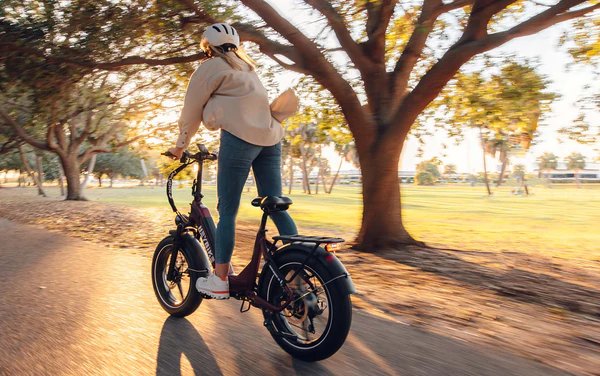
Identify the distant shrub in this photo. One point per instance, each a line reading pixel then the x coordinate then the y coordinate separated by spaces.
pixel 424 178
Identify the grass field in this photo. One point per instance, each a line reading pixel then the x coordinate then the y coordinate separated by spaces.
pixel 560 222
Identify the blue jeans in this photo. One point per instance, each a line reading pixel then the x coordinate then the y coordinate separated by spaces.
pixel 236 156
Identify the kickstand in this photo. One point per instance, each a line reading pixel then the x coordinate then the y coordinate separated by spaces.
pixel 245 308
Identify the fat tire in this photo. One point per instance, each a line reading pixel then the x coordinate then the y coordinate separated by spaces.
pixel 194 298
pixel 340 303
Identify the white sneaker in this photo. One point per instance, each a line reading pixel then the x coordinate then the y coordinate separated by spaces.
pixel 213 286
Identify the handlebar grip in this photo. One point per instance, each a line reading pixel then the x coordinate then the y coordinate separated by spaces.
pixel 184 156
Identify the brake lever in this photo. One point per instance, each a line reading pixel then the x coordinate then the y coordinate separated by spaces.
pixel 184 156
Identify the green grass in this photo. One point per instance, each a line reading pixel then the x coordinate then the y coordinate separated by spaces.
pixel 560 222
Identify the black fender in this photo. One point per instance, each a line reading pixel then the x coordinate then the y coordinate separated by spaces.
pixel 341 277
pixel 189 242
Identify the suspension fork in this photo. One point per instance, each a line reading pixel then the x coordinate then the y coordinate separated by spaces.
pixel 174 253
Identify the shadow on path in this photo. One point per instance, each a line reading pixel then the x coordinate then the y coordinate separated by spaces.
pixel 518 284
pixel 177 338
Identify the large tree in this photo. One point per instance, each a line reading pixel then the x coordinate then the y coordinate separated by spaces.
pixel 583 44
pixel 99 113
pixel 404 54
pixel 505 106
pixel 122 162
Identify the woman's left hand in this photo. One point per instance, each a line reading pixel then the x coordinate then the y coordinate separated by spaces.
pixel 177 152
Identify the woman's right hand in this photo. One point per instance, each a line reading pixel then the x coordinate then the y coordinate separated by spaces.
pixel 176 153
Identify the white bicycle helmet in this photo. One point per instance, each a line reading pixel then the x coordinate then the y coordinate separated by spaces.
pixel 220 34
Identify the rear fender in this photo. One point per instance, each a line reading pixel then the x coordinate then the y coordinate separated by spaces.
pixel 328 259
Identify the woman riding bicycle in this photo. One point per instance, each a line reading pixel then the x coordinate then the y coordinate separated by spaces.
pixel 225 93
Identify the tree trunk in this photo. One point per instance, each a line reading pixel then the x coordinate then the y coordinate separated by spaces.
pixel 548 179
pixel 524 185
pixel 100 180
pixel 324 182
pixel 111 181
pixel 291 174
pixel 304 170
pixel 503 169
pixel 319 170
pixel 577 179
pixel 89 173
pixel 145 171
pixel 337 173
pixel 31 173
pixel 61 179
pixel 382 216
pixel 19 178
pixel 71 168
pixel 485 174
pixel 38 165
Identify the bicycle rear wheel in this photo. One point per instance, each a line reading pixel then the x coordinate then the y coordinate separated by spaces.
pixel 316 324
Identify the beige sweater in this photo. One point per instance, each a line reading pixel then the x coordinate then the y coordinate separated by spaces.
pixel 221 97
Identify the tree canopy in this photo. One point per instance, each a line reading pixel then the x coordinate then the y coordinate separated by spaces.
pixel 383 62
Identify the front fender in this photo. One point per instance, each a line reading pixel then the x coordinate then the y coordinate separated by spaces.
pixel 328 259
pixel 201 261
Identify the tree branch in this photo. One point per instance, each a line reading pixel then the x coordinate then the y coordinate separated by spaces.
pixel 114 66
pixel 414 48
pixel 249 33
pixel 22 134
pixel 312 58
pixel 378 21
pixel 336 21
pixel 61 137
pixel 481 14
pixel 436 78
pixel 539 22
pixel 49 141
pixel 308 49
pixel 456 4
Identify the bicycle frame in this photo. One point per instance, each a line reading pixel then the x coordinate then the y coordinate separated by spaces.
pixel 201 223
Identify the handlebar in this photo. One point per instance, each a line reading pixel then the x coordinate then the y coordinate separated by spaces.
pixel 186 159
pixel 202 155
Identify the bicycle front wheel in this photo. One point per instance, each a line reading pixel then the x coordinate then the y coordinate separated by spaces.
pixel 178 297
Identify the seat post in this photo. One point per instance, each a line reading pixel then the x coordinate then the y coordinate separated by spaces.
pixel 263 221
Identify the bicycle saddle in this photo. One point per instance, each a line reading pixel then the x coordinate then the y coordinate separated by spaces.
pixel 272 203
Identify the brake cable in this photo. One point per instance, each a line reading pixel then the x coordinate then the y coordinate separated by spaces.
pixel 170 188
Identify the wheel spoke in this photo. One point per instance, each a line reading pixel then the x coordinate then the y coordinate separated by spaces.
pixel 180 289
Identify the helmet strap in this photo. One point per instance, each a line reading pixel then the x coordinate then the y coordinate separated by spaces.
pixel 228 47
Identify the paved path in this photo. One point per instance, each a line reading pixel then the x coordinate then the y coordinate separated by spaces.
pixel 70 307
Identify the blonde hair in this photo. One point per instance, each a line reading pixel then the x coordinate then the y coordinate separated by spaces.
pixel 212 52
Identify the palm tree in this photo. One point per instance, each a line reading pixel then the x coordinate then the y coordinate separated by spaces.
pixel 548 162
pixel 485 145
pixel 576 161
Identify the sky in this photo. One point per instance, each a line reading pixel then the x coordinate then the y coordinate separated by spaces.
pixel 467 156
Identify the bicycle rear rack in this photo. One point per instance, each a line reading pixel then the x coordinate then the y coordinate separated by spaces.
pixel 308 239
